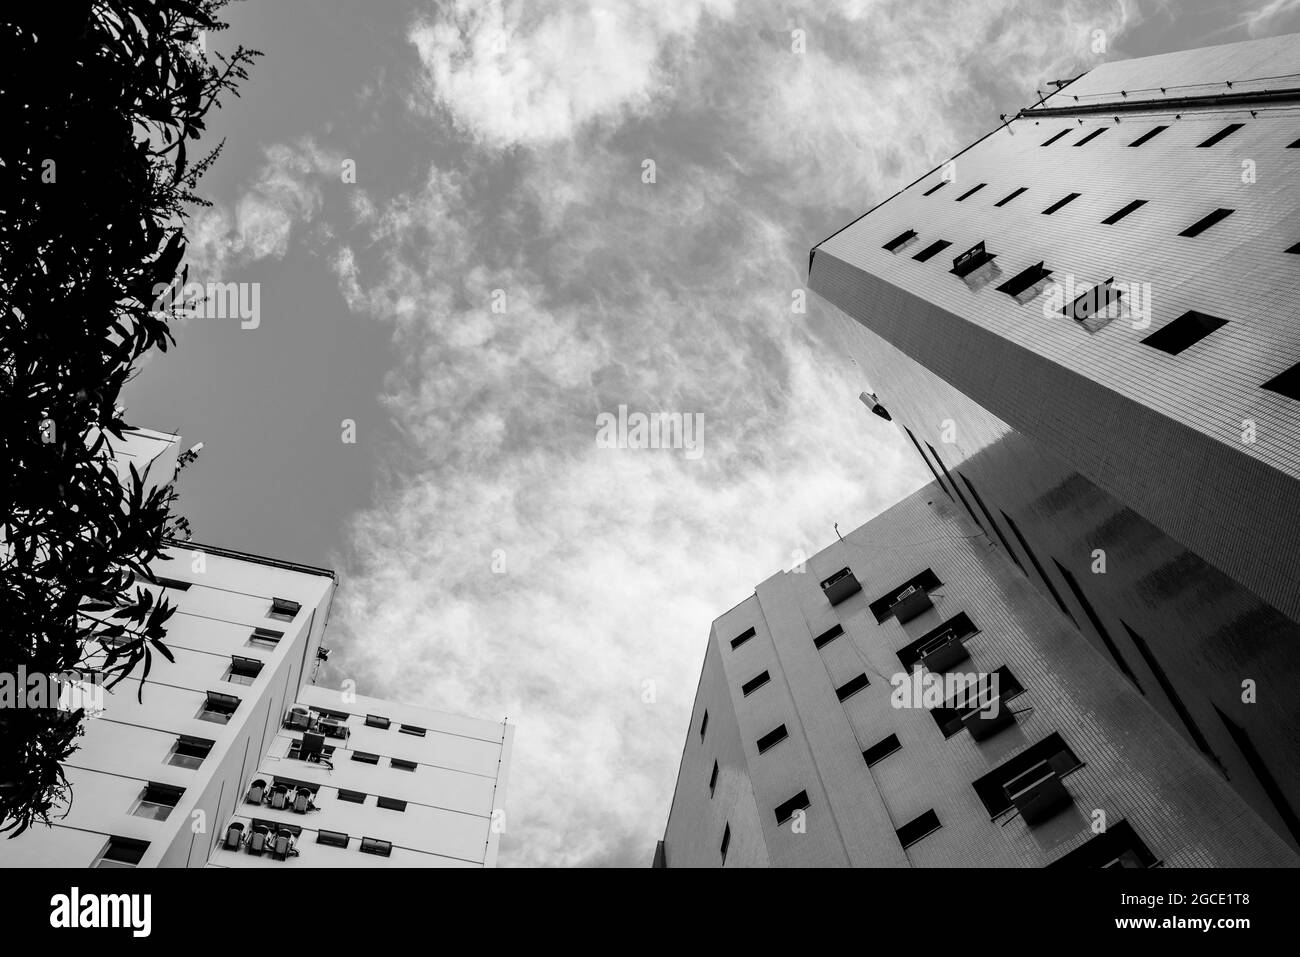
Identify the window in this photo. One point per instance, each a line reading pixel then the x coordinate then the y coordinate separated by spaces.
pixel 971 192
pixel 726 841
pixel 1010 196
pixel 923 582
pixel 1187 330
pixel 403 765
pixel 917 828
pixel 1057 137
pixel 843 584
pixel 243 671
pixel 1116 847
pixel 1286 383
pixel 881 750
pixel 365 757
pixel 959 627
pixel 157 801
pixel 1015 530
pixel 1021 283
pixel 932 250
pixel 391 804
pixel 283 609
pixel 332 838
pixel 772 738
pixel 1052 750
pixel 1094 308
pixel 375 721
pixel 173 583
pixel 935 188
pixel 189 752
pixel 371 845
pixel 352 797
pixel 898 242
pixel 265 638
pixel 740 639
pixel 971 260
pixel 1059 203
pixel 1223 134
pixel 1091 136
pixel 851 687
pixel 754 683
pixel 1205 222
pixel 412 730
pixel 1116 216
pixel 1149 134
pixel 786 811
pixel 122 852
pixel 1294 249
pixel 1091 613
pixel 704 724
pixel 218 707
pixel 1293 146
pixel 827 637
pixel 713 779
pixel 979 694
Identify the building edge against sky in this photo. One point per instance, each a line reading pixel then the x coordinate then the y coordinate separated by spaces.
pixel 234 757
pixel 1128 437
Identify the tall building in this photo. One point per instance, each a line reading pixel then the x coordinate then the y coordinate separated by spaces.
pixel 831 726
pixel 1085 324
pixel 230 756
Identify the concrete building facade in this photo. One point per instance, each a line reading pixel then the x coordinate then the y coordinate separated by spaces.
pixel 805 750
pixel 1085 324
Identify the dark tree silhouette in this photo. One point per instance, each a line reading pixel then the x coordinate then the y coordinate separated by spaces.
pixel 98 101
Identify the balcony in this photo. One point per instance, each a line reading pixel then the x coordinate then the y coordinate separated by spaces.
pixel 909 603
pixel 943 652
pixel 1039 793
pixel 840 586
pixel 988 718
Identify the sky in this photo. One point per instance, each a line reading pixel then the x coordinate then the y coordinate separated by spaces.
pixel 560 209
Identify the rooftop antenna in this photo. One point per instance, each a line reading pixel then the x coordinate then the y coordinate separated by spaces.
pixel 837 532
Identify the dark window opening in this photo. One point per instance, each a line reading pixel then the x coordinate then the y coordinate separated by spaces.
pixel 897 243
pixel 1187 330
pixel 959 626
pixel 786 811
pixel 284 609
pixel 918 827
pixel 932 250
pixel 1223 134
pixel 851 687
pixel 713 779
pixel 403 765
pixel 772 738
pixel 1286 383
pixel 189 752
pixel 924 582
pixel 935 188
pixel 742 638
pixel 1025 280
pixel 1059 203
pixel 978 695
pixel 1205 222
pixel 1053 750
pixel 1092 136
pixel 1116 847
pixel 1056 596
pixel 218 707
pixel 971 260
pixel 754 683
pixel 1094 304
pixel 881 750
pixel 173 583
pixel 332 838
pixel 412 730
pixel 391 804
pixel 726 841
pixel 971 192
pixel 704 724
pixel 265 637
pixel 365 757
pixel 1148 135
pixel 371 845
pixel 1116 216
pixel 1057 136
pixel 352 797
pixel 827 636
pixel 243 671
pixel 1097 626
pixel 1294 249
pixel 122 852
pixel 375 721
pixel 1010 196
pixel 843 584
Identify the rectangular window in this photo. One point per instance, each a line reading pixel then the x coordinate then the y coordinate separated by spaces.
pixel 352 797
pixel 1097 304
pixel 772 738
pixel 1119 214
pixel 189 752
pixel 1293 146
pixel 1010 196
pixel 403 765
pixel 283 609
pixel 332 838
pixel 1059 203
pixel 365 757
pixel 1285 383
pixel 218 707
pixel 391 804
pixel 1015 530
pixel 157 801
pixel 935 188
pixel 713 779
pixel 412 730
pixel 1294 249
pixel 1205 222
pixel 917 828
pixel 265 638
pixel 375 721
pixel 971 192
pixel 924 582
pixel 1091 136
pixel 898 242
pixel 122 852
pixel 704 724
pixel 992 787
pixel 726 841
pixel 1148 135
pixel 1223 134
pixel 1024 281
pixel 881 750
pixel 932 250
pixel 1057 137
pixel 1116 847
pixel 1102 633
pixel 754 683
pixel 371 845
pixel 971 260
pixel 786 811
pixel 843 584
pixel 243 671
pixel 740 639
pixel 851 687
pixel 959 627
pixel 310 747
pixel 1187 330
pixel 826 637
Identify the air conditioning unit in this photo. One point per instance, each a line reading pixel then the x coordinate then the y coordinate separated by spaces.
pixel 298 718
pixel 988 719
pixel 840 586
pixel 1038 793
pixel 942 652
pixel 333 728
pixel 910 602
